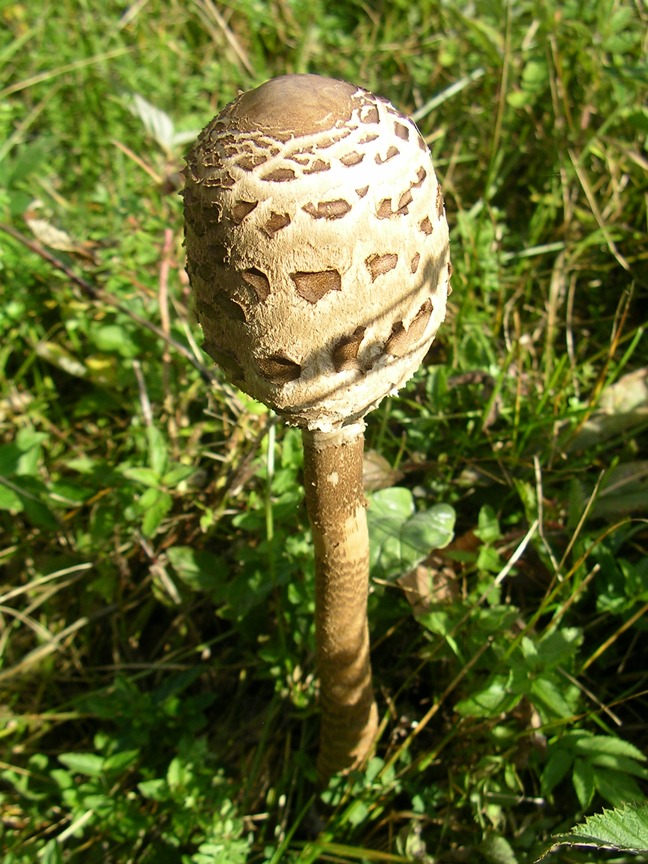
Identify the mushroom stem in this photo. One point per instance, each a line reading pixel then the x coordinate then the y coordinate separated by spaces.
pixel 336 509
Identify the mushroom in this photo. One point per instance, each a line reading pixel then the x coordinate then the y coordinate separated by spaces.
pixel 317 250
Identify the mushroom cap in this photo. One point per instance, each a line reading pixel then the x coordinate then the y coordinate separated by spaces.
pixel 317 247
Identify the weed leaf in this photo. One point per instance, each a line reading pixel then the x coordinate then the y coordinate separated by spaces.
pixel 624 829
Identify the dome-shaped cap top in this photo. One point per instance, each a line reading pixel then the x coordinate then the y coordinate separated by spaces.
pixel 293 105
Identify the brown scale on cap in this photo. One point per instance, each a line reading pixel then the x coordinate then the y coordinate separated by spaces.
pixel 241 209
pixel 313 286
pixel 403 340
pixel 378 265
pixel 328 209
pixel 276 222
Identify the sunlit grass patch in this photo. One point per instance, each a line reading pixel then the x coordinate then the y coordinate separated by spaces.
pixel 157 689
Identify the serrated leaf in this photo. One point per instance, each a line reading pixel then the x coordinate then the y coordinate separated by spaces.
pixel 624 829
pixel 554 649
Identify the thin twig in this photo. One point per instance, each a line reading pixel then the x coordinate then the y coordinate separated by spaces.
pixel 612 639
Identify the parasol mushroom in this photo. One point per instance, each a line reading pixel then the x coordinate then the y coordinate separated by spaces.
pixel 317 250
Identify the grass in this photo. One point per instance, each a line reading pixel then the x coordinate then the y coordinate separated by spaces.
pixel 157 690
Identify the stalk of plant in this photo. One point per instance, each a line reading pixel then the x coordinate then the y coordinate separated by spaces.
pixel 336 508
pixel 317 249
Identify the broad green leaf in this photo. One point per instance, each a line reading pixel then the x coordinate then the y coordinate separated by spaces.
pixel 607 745
pixel 145 476
pixel 553 649
pixel 197 569
pixel 10 455
pixel 535 75
pixel 120 761
pixel 440 622
pixel 68 493
pixel 158 455
pixel 620 20
pixel 155 505
pixel 32 492
pixel 616 787
pixel 51 853
pixel 102 805
pixel 428 530
pixel 491 700
pixel 176 475
pixel 547 694
pixel 22 456
pixel 497 850
pixel 244 592
pixel 9 499
pixel 156 790
pixel 488 560
pixel 621 764
pixel 556 769
pixel 114 339
pixel 488 529
pixel 90 764
pixel 395 502
pixel 400 538
pixel 583 782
